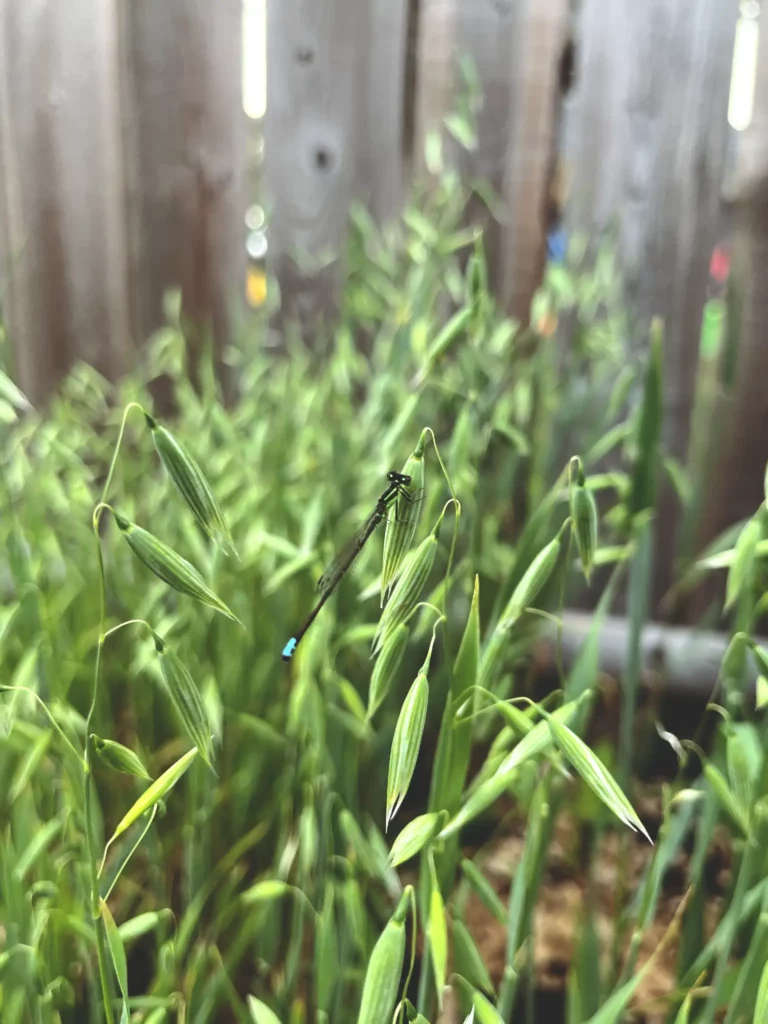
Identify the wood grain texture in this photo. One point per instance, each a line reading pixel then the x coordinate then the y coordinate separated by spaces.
pixel 334 131
pixel 485 30
pixel 531 142
pixel 63 254
pixel 188 133
pixel 686 222
pixel 516 46
pixel 121 156
pixel 596 132
pixel 647 145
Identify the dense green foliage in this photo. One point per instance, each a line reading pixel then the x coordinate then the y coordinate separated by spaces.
pixel 262 890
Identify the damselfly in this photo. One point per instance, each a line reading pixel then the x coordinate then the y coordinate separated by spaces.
pixel 397 488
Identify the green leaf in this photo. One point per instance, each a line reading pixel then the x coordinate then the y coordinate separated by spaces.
pixel 761 1006
pixel 531 583
pixel 119 758
pixel 261 1013
pixel 455 739
pixel 645 480
pixel 437 931
pixel 485 1011
pixel 326 951
pixel 414 837
pixel 586 666
pixel 483 889
pixel 156 792
pixel 143 924
pixel 679 480
pixel 29 764
pixel 462 129
pixel 741 572
pixel 613 1009
pixel 741 772
pixel 266 891
pixel 467 959
pixel 117 951
pixel 725 796
pixel 7 412
pixel 382 977
pixel 595 774
pixel 37 845
pixel 406 744
pixel 684 1013
pixel 535 743
pixel 12 394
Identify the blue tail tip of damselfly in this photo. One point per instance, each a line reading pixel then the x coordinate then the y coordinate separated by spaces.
pixel 289 648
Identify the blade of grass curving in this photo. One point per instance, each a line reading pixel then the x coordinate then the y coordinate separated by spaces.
pixel 751 864
pixel 638 600
pixel 613 1009
pixel 119 962
pixel 745 991
pixel 524 892
pixel 672 832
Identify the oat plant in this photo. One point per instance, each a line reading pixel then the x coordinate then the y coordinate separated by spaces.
pixel 181 576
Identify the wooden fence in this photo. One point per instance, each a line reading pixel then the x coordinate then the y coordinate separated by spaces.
pixel 122 165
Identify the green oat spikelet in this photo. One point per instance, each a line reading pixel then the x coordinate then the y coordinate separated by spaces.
pixel 584 516
pixel 186 699
pixel 119 758
pixel 406 743
pixel 382 978
pixel 402 525
pixel 156 792
pixel 191 483
pixel 414 837
pixel 531 583
pixel 386 667
pixel 172 569
pixel 407 739
pixel 408 588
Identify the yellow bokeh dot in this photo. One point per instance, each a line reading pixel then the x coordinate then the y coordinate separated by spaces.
pixel 256 286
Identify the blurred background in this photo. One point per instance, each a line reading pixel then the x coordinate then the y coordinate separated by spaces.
pixel 193 145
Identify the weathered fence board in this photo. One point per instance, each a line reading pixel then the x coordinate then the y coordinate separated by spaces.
pixel 185 144
pixel 653 98
pixel 688 222
pixel 121 154
pixel 63 246
pixel 531 146
pixel 487 33
pixel 334 124
pixel 515 46
pixel 596 130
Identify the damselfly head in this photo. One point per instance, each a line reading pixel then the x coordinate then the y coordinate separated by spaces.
pixel 398 478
